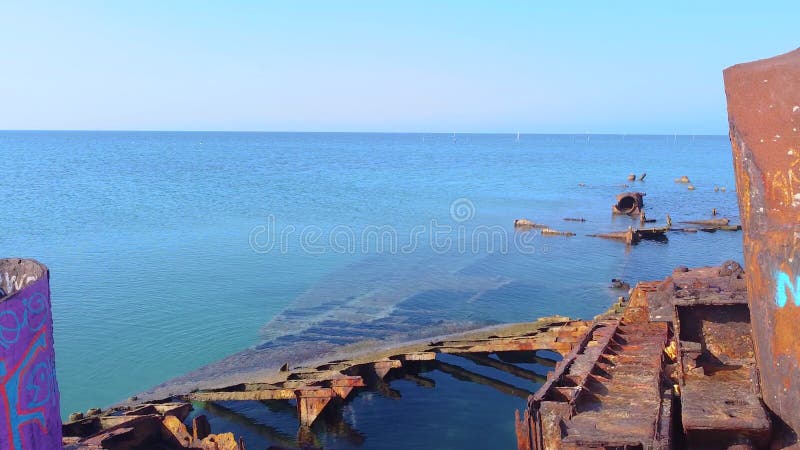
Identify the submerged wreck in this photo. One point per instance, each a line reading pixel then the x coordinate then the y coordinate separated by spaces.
pixel 633 236
pixel 316 391
pixel 676 366
pixel 708 358
pixel 629 203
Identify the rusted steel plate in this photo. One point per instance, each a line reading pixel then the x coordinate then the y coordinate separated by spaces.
pixel 711 405
pixel 418 356
pixel 522 427
pixel 265 394
pixel 607 391
pixel 764 115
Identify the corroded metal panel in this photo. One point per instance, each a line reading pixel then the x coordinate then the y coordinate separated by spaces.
pixel 29 401
pixel 764 114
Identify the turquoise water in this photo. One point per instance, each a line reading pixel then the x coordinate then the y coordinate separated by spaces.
pixel 159 243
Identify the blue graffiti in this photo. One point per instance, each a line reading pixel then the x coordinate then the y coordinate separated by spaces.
pixel 33 318
pixel 783 284
pixel 9 386
pixel 41 383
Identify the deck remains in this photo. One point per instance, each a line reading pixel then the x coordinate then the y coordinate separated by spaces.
pixel 314 388
pixel 684 342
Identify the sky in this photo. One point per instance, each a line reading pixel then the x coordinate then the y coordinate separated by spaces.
pixel 412 66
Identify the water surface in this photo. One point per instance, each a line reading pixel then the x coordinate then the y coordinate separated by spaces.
pixel 159 243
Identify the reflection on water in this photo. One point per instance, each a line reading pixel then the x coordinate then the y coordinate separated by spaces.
pixel 456 401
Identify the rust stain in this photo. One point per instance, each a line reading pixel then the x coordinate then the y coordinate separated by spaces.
pixel 764 116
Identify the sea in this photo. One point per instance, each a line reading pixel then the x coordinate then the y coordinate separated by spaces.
pixel 171 251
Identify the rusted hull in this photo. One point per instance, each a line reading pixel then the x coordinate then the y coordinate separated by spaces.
pixel 684 342
pixel 764 114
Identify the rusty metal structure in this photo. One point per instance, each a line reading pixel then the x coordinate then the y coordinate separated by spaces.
pixel 708 358
pixel 633 236
pixel 674 369
pixel 629 203
pixel 151 426
pixel 314 388
pixel 764 116
pixel 159 424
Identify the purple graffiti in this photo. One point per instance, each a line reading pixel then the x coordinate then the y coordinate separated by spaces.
pixel 29 404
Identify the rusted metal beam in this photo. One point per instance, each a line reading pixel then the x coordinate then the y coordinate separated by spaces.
pixel 764 117
pixel 418 356
pixel 558 339
pixel 311 403
pixel 342 385
pixel 382 368
pixel 262 394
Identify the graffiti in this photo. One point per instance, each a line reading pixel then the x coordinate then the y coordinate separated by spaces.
pixel 29 410
pixel 10 386
pixel 784 285
pixel 12 284
pixel 33 317
pixel 785 186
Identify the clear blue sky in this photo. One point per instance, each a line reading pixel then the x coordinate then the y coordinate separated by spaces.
pixel 381 66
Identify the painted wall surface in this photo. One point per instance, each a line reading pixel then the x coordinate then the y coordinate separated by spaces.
pixel 29 400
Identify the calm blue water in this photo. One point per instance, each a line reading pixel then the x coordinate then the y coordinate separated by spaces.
pixel 431 409
pixel 166 253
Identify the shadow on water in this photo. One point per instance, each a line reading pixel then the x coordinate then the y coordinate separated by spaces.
pixel 456 401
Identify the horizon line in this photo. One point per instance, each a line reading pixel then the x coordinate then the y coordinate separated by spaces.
pixel 513 133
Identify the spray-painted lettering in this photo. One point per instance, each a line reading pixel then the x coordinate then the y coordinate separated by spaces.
pixel 785 287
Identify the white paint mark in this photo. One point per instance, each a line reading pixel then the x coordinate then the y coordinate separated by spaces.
pixel 796 201
pixel 13 285
pixel 790 152
pixel 795 108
